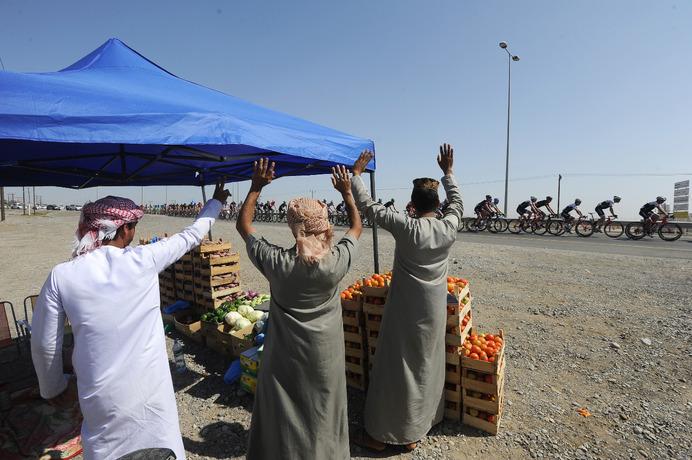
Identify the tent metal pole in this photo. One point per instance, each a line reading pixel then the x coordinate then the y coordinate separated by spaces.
pixel 374 227
pixel 204 200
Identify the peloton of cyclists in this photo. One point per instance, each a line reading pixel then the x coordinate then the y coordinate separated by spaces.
pixel 482 209
pixel 569 219
pixel 525 209
pixel 600 207
pixel 648 210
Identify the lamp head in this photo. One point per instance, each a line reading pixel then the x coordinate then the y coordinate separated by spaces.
pixel 515 58
pixel 503 45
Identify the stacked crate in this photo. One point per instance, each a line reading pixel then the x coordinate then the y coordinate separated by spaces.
pixel 355 342
pixel 482 385
pixel 374 299
pixel 216 273
pixel 458 325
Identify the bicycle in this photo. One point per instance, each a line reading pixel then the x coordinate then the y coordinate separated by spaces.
pixel 667 231
pixel 610 228
pixel 583 227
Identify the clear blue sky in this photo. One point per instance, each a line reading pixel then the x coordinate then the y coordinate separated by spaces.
pixel 601 94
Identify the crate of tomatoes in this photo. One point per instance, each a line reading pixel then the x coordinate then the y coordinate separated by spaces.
pixel 484 352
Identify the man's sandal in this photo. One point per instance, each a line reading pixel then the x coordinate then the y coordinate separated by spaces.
pixel 360 437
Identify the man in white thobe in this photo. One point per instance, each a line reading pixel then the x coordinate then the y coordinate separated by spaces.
pixel 110 293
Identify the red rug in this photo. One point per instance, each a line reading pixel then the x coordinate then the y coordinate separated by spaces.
pixel 34 429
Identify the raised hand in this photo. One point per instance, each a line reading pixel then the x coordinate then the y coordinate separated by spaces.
pixel 341 179
pixel 263 174
pixel 446 158
pixel 362 161
pixel 220 193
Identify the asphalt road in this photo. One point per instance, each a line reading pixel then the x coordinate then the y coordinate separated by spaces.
pixel 599 243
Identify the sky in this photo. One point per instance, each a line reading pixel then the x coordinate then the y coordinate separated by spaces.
pixel 601 94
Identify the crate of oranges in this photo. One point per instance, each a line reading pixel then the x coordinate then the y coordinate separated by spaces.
pixel 351 297
pixel 377 285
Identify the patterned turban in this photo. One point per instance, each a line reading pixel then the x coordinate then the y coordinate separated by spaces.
pixel 100 220
pixel 309 221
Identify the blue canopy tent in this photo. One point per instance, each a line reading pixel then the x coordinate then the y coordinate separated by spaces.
pixel 114 118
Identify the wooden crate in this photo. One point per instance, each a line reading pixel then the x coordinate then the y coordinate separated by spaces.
pixel 213 270
pixel 452 368
pixel 221 292
pixel 456 332
pixel 207 261
pixel 353 305
pixel 483 425
pixel 452 410
pixel 356 365
pixel 357 381
pixel 357 349
pixel 352 335
pixel 456 307
pixel 453 392
pixel 207 246
pixel 492 407
pixel 494 386
pixel 484 366
pixel 353 318
pixel 375 291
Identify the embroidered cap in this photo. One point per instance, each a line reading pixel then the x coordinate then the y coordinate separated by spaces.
pixel 426 182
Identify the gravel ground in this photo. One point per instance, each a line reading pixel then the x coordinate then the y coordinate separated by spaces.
pixel 608 333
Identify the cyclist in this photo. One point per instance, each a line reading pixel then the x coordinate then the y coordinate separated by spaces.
pixel 493 206
pixel 569 219
pixel 546 203
pixel 607 204
pixel 648 210
pixel 390 204
pixel 409 209
pixel 282 209
pixel 482 209
pixel 524 211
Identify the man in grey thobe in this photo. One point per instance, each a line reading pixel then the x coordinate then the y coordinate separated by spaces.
pixel 300 409
pixel 406 393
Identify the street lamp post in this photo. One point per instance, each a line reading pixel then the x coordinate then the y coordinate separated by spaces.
pixel 511 58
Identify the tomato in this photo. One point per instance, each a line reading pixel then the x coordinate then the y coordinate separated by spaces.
pixel 491 359
pixel 449 279
pixel 343 295
pixel 476 349
pixel 482 415
pixel 488 378
pixel 491 418
pixel 474 356
pixel 483 356
pixel 489 337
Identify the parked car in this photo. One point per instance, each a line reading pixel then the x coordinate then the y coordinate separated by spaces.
pixel 71 207
pixel 16 206
pixel 52 207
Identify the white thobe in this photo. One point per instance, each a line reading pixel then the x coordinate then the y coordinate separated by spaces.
pixel 111 297
pixel 406 392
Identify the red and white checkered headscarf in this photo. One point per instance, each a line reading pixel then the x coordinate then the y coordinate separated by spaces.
pixel 309 221
pixel 100 220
